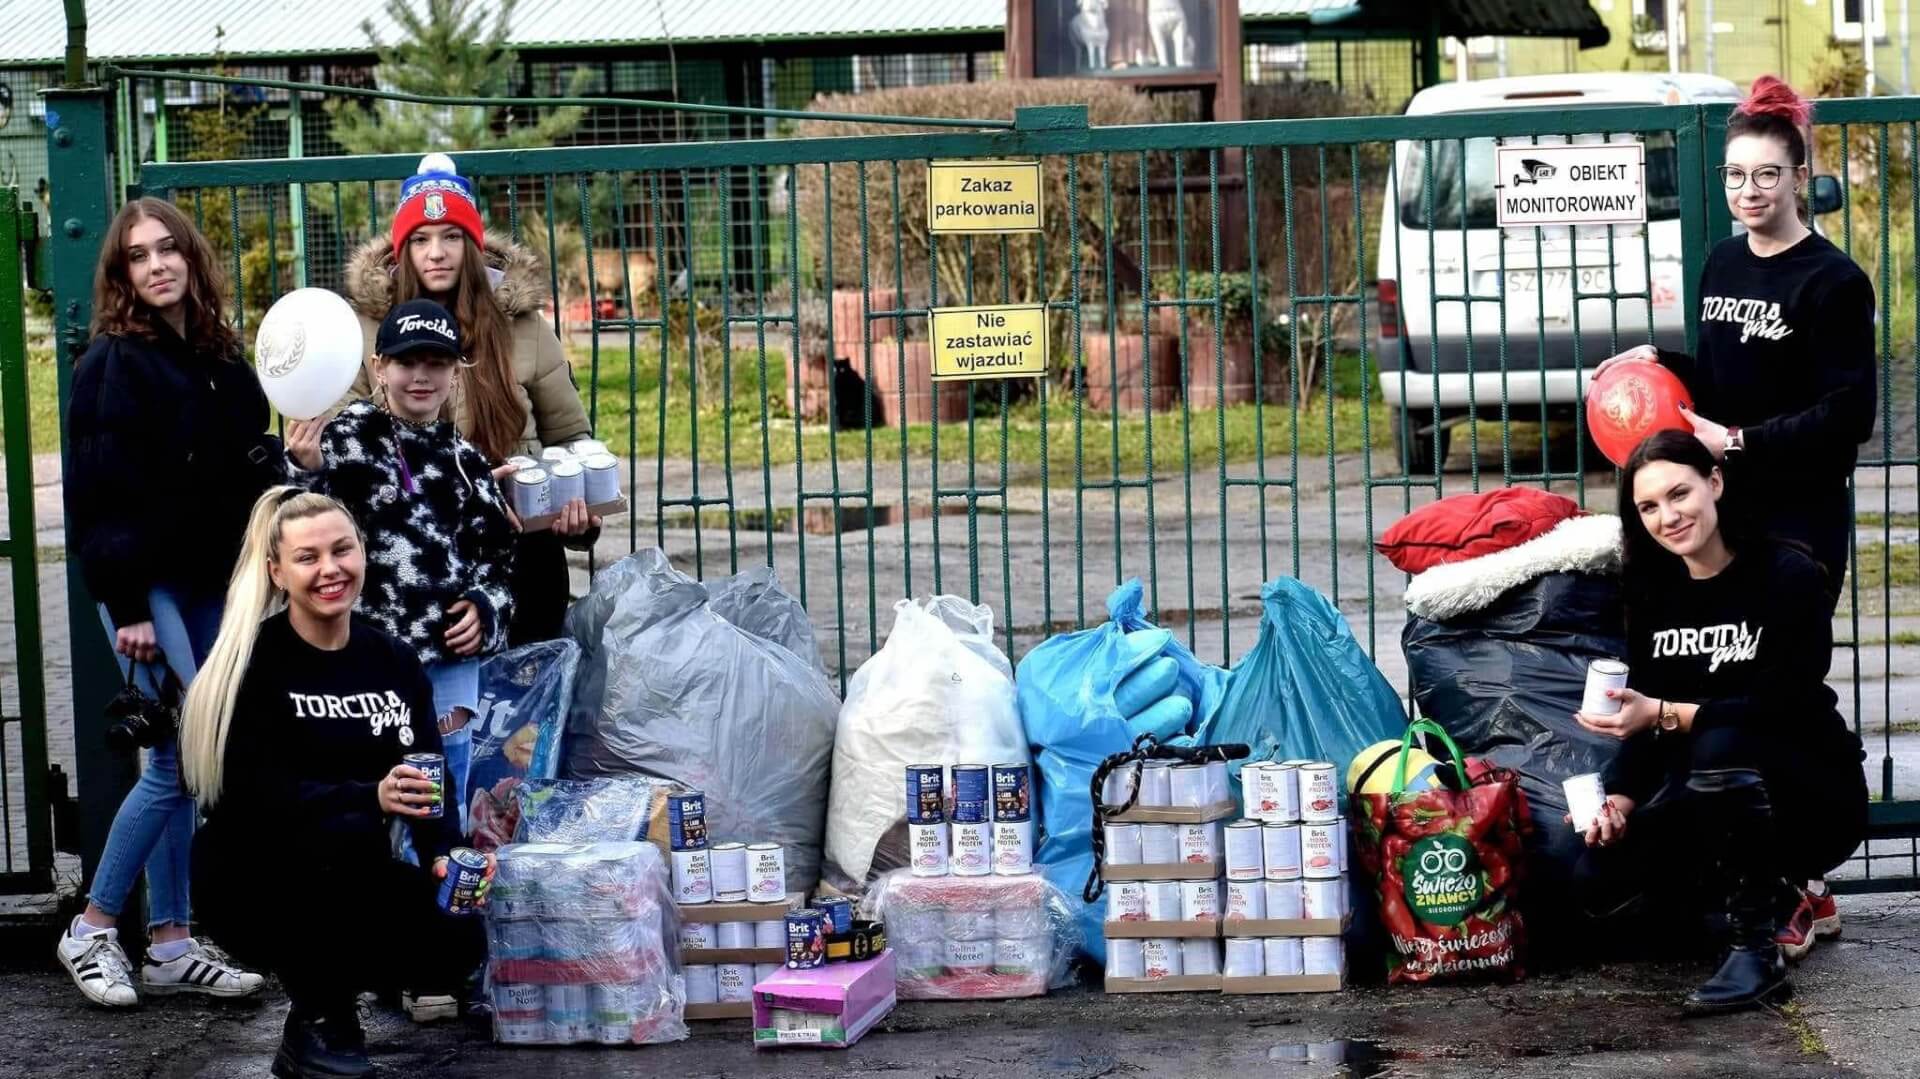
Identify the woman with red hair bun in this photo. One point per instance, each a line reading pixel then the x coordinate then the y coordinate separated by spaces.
pixel 1783 383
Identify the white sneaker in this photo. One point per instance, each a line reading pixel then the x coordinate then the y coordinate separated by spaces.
pixel 198 971
pixel 430 1009
pixel 98 967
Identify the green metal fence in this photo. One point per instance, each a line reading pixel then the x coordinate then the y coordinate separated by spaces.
pixel 1203 429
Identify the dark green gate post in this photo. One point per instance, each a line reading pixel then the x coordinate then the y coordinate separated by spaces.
pixel 77 152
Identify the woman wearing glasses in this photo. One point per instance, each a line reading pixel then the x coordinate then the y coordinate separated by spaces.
pixel 1783 383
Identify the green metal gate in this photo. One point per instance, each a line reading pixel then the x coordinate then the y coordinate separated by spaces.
pixel 1205 430
pixel 26 851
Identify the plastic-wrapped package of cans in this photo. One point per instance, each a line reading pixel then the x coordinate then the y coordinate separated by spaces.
pixel 974 938
pixel 583 945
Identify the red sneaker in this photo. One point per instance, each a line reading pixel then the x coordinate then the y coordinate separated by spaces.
pixel 1815 916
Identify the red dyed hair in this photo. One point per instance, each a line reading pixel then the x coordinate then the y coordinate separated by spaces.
pixel 1773 109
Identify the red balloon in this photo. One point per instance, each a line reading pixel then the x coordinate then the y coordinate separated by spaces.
pixel 1631 400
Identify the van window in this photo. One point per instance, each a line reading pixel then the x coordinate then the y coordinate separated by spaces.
pixel 1663 181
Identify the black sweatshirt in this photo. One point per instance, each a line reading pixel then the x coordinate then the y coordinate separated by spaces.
pixel 168 450
pixel 1751 646
pixel 313 733
pixel 1787 355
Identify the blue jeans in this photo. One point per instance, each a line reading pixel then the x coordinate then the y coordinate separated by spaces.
pixel 154 828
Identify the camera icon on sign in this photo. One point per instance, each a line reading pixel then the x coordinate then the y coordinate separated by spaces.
pixel 1533 171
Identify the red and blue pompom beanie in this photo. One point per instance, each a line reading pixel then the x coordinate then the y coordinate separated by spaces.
pixel 437 195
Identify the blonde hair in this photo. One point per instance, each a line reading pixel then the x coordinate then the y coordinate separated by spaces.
pixel 251 596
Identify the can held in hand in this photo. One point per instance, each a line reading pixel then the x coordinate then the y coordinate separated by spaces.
pixel 1283 957
pixel 927 849
pixel 1323 898
pixel 1320 848
pixel 603 478
pixel 1603 675
pixel 729 868
pixel 434 767
pixel 1122 845
pixel 766 873
pixel 703 983
pixel 926 794
pixel 1199 900
pixel 1319 792
pixel 1246 957
pixel 1127 901
pixel 1126 959
pixel 692 876
pixel 806 939
pixel 1280 849
pixel 1586 798
pixel 687 821
pixel 569 482
pixel 532 493
pixel 1246 900
pixel 839 912
pixel 466 876
pixel 1245 860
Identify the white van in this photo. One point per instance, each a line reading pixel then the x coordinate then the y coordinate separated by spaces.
pixel 1458 258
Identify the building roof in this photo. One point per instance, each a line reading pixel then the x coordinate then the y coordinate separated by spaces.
pixel 186 29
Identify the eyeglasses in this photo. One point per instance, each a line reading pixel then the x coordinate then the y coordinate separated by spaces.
pixel 1765 178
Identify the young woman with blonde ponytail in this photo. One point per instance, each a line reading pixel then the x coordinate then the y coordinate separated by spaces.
pixel 292 739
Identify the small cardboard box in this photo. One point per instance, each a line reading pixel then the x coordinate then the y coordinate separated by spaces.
pixel 827 1007
pixel 1176 814
pixel 1143 930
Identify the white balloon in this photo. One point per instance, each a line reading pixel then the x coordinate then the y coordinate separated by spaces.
pixel 307 351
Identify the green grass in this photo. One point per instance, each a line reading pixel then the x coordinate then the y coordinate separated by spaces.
pixel 1904 566
pixel 1880 520
pixel 1249 431
pixel 1810 1041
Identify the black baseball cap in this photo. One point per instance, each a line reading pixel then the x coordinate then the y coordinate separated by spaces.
pixel 418 326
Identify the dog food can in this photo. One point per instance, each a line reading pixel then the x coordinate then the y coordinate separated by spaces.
pixel 1277 795
pixel 1319 792
pixel 1163 901
pixel 569 482
pixel 1280 848
pixel 616 1008
pixel 687 821
pixel 1127 901
pixel 735 982
pixel 839 912
pixel 969 956
pixel 1323 898
pixel 584 448
pixel 926 794
pixel 1284 899
pixel 1122 843
pixel 927 849
pixel 771 933
pixel 1246 957
pixel 1160 958
pixel 1199 956
pixel 1126 959
pixel 1283 956
pixel 1324 955
pixel 532 494
pixel 1320 848
pixel 1603 675
pixel 1022 957
pixel 703 983
pixel 466 878
pixel 434 767
pixel 568 1014
pixel 1120 785
pixel 1586 798
pixel 1012 847
pixel 1246 900
pixel 1245 860
pixel 972 849
pixel 766 873
pixel 729 868
pixel 698 936
pixel 1199 900
pixel 1156 784
pixel 1188 785
pixel 1012 793
pixel 603 479
pixel 1159 844
pixel 1219 784
pixel 692 876
pixel 971 787
pixel 735 935
pixel 1199 843
pixel 806 939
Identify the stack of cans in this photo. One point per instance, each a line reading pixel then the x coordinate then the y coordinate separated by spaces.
pixel 726 873
pixel 963 938
pixel 986 828
pixel 1286 861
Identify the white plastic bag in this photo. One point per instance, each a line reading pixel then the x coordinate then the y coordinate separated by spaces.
pixel 938 692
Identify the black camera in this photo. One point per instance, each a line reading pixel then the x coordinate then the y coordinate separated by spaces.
pixel 136 720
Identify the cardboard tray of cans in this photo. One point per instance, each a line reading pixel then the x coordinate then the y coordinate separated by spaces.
pixel 545 521
pixel 1279 983
pixel 1183 983
pixel 742 1009
pixel 737 912
pixel 1273 927
pixel 1195 929
pixel 1170 871
pixel 1175 814
pixel 732 912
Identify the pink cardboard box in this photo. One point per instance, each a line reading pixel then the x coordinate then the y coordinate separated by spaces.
pixel 827 1007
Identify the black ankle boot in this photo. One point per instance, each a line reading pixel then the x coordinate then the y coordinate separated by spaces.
pixel 1754 970
pixel 313 1047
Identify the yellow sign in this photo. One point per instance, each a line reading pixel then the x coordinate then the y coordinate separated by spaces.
pixel 989 342
pixel 983 196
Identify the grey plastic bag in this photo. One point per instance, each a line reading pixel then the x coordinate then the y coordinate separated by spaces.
pixel 678 682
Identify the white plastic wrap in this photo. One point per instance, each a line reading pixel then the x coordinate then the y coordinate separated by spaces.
pixel 938 692
pixel 715 686
pixel 610 810
pixel 974 938
pixel 583 942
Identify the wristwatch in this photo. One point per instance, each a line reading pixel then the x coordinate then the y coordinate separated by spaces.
pixel 1669 717
pixel 1736 441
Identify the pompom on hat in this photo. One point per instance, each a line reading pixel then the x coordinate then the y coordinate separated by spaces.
pixel 436 194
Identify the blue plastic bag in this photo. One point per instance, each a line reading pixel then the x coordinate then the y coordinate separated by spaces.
pixel 1307 689
pixel 1067 688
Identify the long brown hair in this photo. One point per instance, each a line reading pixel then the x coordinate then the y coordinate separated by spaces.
pixel 498 420
pixel 117 309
